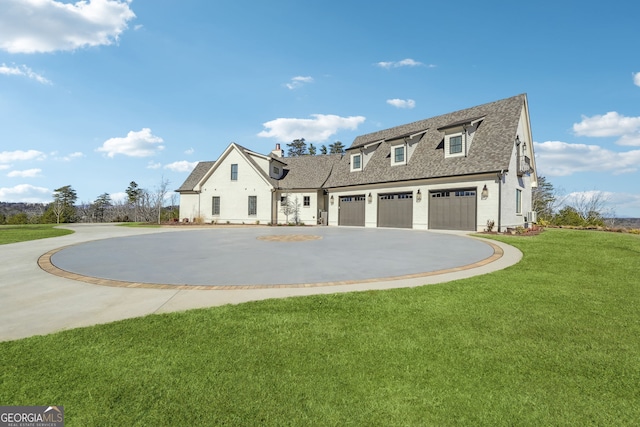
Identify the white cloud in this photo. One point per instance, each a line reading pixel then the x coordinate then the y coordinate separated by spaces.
pixel 318 129
pixel 5 167
pixel 154 165
pixel 556 158
pixel 404 63
pixel 20 155
pixel 67 158
pixel 298 81
pixel 632 139
pixel 23 71
pixel 189 151
pixel 29 173
pixel 25 193
pixel 135 144
pixel 636 79
pixel 181 166
pixel 119 197
pixel 610 124
pixel 30 26
pixel 402 103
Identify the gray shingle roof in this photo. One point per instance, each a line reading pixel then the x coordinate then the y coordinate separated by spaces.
pixel 195 176
pixel 490 151
pixel 307 171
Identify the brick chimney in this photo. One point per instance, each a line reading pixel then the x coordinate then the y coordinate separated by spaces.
pixel 278 152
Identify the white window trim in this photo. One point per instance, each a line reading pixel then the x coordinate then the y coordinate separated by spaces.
pixel 393 155
pixel 354 169
pixel 447 145
pixel 518 201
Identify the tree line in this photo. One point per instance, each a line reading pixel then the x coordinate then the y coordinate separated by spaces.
pixel 141 205
pixel 298 147
pixel 586 210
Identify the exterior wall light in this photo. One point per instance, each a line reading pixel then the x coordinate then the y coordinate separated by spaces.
pixel 418 196
pixel 485 192
pixel 331 199
pixel 369 198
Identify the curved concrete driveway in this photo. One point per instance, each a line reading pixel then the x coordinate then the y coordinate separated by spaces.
pixel 325 260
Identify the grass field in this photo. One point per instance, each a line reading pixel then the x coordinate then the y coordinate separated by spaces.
pixel 553 340
pixel 23 233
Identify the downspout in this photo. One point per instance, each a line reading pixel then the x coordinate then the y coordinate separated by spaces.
pixel 466 148
pixel 273 212
pixel 500 175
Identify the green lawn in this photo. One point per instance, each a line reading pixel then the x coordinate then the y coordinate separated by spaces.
pixel 553 340
pixel 22 233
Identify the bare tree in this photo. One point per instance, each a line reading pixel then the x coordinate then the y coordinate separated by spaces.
pixel 57 207
pixel 285 206
pixel 160 194
pixel 592 205
pixel 290 206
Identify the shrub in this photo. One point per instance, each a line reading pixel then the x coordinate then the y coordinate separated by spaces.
pixel 490 224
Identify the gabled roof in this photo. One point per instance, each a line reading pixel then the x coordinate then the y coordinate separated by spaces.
pixel 195 176
pixel 249 155
pixel 490 151
pixel 308 171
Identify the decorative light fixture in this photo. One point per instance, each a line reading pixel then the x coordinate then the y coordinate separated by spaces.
pixel 418 196
pixel 485 192
pixel 369 198
pixel 331 199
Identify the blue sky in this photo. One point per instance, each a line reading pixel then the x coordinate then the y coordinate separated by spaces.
pixel 100 93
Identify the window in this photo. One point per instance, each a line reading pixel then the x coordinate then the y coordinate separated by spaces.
pixel 306 201
pixel 253 205
pixel 398 155
pixel 276 170
pixel 518 201
pixel 215 205
pixel 356 162
pixel 234 172
pixel 455 144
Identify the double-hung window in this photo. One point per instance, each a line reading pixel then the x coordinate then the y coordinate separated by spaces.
pixel 398 155
pixel 455 144
pixel 253 205
pixel 215 205
pixel 306 201
pixel 234 172
pixel 356 162
pixel 518 201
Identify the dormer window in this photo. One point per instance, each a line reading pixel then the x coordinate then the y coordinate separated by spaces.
pixel 356 162
pixel 455 144
pixel 459 135
pixel 398 155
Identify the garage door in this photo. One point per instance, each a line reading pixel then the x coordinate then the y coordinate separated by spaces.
pixel 452 210
pixel 395 210
pixel 351 210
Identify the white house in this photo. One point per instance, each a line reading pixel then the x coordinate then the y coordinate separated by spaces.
pixel 455 171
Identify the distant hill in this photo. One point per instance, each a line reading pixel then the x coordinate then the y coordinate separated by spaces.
pixel 8 209
pixel 623 222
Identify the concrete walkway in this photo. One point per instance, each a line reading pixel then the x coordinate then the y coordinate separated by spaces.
pixel 34 301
